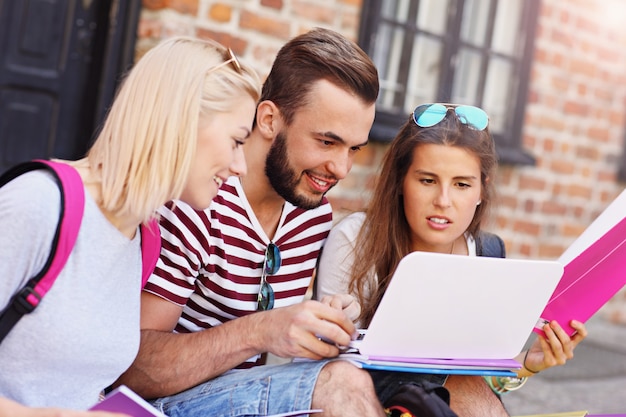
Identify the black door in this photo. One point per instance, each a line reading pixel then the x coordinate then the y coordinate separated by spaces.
pixel 60 61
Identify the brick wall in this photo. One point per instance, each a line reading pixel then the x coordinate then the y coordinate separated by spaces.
pixel 574 124
pixel 254 29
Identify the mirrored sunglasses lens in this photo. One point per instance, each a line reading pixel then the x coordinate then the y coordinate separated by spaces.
pixel 266 297
pixel 428 115
pixel 272 259
pixel 473 116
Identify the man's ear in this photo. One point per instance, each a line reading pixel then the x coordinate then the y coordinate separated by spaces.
pixel 268 119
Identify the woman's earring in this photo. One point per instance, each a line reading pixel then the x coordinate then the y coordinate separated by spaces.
pixel 479 201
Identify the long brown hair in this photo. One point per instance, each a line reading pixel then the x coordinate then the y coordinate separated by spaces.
pixel 384 238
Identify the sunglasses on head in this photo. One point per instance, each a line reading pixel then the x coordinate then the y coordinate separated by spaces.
pixel 271 265
pixel 428 115
pixel 229 59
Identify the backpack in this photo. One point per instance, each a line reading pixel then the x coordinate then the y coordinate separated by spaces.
pixel 70 218
pixel 490 245
pixel 425 399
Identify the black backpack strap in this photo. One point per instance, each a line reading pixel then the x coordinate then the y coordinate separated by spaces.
pixel 490 245
pixel 71 213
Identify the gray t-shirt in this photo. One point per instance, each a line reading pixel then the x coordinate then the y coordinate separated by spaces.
pixel 85 332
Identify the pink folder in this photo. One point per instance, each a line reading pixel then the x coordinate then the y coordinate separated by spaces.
pixel 124 400
pixel 593 276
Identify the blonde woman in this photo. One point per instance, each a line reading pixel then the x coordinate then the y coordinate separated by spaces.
pixel 174 131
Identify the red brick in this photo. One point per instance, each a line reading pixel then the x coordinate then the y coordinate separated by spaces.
pixel 350 22
pixel 590 152
pixel 526 227
pixel 154 4
pixel 313 11
pixel 562 166
pixel 560 84
pixel 273 4
pixel 576 108
pixel 238 45
pixel 549 122
pixel 220 12
pixel 584 67
pixel 608 176
pixel 599 133
pixel 541 55
pixel 181 6
pixel 572 231
pixel 586 25
pixel 267 25
pixel 551 208
pixel 357 3
pixel 149 28
pixel 527 182
pixel 506 201
pixel 575 190
pixel 524 250
pixel 529 206
pixel 578 211
pixel 549 145
pixel 550 251
pixel 561 37
pixel 616 118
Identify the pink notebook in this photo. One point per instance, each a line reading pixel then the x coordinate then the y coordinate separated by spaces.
pixel 595 269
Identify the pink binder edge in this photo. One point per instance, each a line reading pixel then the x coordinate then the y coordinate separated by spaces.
pixel 588 281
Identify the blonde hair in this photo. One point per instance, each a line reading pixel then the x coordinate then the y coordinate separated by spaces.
pixel 144 151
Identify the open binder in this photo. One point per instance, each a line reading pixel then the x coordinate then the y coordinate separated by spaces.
pixel 594 269
pixel 456 314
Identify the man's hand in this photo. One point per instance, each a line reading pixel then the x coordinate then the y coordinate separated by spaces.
pixel 303 330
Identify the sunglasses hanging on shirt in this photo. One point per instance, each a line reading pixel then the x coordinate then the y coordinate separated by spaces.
pixel 271 265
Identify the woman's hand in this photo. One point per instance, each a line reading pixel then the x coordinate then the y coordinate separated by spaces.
pixel 344 302
pixel 556 348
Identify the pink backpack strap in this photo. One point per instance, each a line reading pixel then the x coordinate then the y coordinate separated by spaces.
pixel 71 215
pixel 150 248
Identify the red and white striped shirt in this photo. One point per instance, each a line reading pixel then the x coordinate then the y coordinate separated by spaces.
pixel 211 260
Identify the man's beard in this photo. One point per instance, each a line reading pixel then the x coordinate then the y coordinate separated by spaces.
pixel 283 178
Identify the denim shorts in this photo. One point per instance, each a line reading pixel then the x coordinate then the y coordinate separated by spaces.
pixel 259 391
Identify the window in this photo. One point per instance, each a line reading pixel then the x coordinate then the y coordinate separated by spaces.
pixel 457 51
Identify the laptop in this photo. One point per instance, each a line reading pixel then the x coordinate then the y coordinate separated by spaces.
pixel 459 307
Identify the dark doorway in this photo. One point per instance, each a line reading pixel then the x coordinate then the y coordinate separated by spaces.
pixel 60 62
